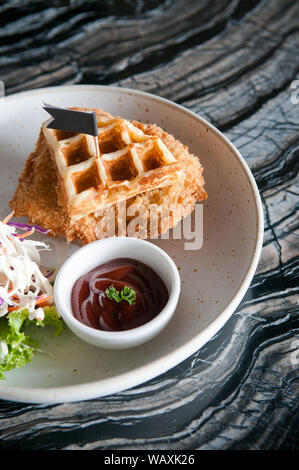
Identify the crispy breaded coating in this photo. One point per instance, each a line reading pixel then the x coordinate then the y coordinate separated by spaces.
pixel 37 198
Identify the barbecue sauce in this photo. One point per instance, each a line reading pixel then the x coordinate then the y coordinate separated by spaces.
pixel 92 307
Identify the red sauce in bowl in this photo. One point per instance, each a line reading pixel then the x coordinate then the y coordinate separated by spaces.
pixel 92 307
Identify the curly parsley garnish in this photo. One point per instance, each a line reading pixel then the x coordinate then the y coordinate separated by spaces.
pixel 127 293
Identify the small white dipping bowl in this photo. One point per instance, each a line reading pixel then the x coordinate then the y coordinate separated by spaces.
pixel 103 251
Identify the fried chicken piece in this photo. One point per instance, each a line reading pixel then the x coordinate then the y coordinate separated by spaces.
pixel 37 198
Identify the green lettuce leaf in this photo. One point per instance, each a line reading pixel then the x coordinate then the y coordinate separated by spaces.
pixel 21 346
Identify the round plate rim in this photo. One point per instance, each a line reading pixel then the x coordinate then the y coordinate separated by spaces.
pixel 119 383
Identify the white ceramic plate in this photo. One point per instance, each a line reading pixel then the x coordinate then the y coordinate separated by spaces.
pixel 214 278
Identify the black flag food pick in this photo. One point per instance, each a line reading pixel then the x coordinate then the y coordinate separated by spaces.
pixel 81 122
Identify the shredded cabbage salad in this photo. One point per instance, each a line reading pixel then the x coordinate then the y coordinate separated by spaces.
pixel 26 294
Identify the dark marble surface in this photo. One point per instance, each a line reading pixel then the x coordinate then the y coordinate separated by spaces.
pixel 232 62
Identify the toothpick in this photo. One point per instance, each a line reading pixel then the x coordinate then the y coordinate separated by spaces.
pixel 96 141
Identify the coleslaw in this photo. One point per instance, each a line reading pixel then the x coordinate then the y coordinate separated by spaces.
pixel 26 294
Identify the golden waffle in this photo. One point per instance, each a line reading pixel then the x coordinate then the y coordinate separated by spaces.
pixel 94 173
